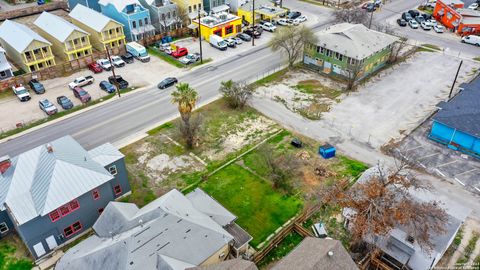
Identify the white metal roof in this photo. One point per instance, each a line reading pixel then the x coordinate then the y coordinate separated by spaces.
pixel 353 40
pixel 19 36
pixel 90 17
pixel 105 154
pixel 56 26
pixel 39 181
pixel 4 64
pixel 119 4
pixel 203 202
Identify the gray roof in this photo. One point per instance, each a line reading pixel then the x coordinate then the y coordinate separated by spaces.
pixel 168 233
pixel 354 40
pixel 105 154
pixel 206 204
pixel 119 4
pixel 39 182
pixel 91 18
pixel 4 64
pixel 312 254
pixel 264 6
pixel 18 36
pixel 463 111
pixel 235 264
pixel 56 26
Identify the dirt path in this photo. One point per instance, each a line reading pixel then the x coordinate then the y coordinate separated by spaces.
pixel 470 226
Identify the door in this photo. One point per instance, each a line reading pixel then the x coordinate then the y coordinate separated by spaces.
pixel 51 242
pixel 39 249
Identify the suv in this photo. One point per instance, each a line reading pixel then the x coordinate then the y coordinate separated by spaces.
pixel 105 64
pixel 81 94
pixel 36 86
pixel 268 26
pixel 46 106
pixel 119 81
pixel 21 92
pixel 414 13
pixel 117 61
pixel 170 81
pixel 420 19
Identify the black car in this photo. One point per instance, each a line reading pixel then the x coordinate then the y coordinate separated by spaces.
pixel 414 13
pixel 259 29
pixel 427 16
pixel 406 16
pixel 402 22
pixel 252 33
pixel 36 86
pixel 119 81
pixel 371 7
pixel 292 15
pixel 170 81
pixel 64 102
pixel 128 58
pixel 296 143
pixel 244 37
pixel 420 19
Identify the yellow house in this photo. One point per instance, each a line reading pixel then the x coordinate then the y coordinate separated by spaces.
pixel 103 30
pixel 68 40
pixel 264 10
pixel 221 24
pixel 27 49
pixel 191 7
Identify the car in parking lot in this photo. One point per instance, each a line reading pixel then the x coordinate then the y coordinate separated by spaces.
pixel 117 61
pixel 431 22
pixel 81 81
pixel 180 52
pixel 108 87
pixel 167 82
pixel 413 24
pixel 301 18
pixel 244 37
pixel 119 81
pixel 252 33
pixel 95 67
pixel 267 26
pixel 420 19
pixel 237 40
pixel 293 15
pixel 414 13
pixel 439 28
pixel 127 58
pixel 473 6
pixel 190 58
pixel 471 39
pixel 105 64
pixel 370 7
pixel 402 22
pixel 21 92
pixel 284 22
pixel 81 94
pixel 36 86
pixel 46 106
pixel 406 16
pixel 427 17
pixel 230 42
pixel 426 26
pixel 64 102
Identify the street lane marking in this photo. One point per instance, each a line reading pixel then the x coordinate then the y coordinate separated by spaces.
pixel 440 172
pixel 431 155
pixel 459 181
pixel 410 149
pixel 469 171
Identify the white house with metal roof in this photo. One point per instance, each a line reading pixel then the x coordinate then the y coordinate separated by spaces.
pixel 69 41
pixel 173 232
pixel 25 48
pixel 52 193
pixel 5 67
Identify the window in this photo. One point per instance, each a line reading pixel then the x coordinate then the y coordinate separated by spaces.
pixel 117 189
pixel 96 194
pixel 45 50
pixel 3 74
pixel 74 205
pixel 134 24
pixel 75 41
pixel 218 32
pixel 163 17
pixel 140 23
pixel 189 9
pixel 199 5
pixel 3 227
pixel 83 40
pixel 40 65
pixel 228 29
pixel 100 210
pixel 168 15
pixel 36 51
pixel 174 13
pixel 146 21
pixel 54 215
pixel 64 210
pixel 72 229
pixel 118 30
pixel 113 170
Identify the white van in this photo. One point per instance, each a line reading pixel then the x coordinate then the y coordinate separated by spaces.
pixel 138 51
pixel 218 42
pixel 471 39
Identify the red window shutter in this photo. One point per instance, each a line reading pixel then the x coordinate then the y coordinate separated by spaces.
pixel 74 205
pixel 54 215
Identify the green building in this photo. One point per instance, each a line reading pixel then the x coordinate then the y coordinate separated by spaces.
pixel 345 48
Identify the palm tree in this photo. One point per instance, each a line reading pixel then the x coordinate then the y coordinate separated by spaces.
pixel 186 98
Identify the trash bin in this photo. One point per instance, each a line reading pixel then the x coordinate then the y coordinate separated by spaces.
pixel 327 151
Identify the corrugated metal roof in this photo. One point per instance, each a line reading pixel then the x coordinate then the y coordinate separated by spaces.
pixel 56 26
pixel 105 154
pixel 206 204
pixel 39 182
pixel 119 4
pixel 90 17
pixel 19 36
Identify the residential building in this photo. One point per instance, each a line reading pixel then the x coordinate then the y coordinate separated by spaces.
pixel 457 123
pixel 235 4
pixel 53 193
pixel 215 6
pixel 234 264
pixel 264 10
pixel 103 30
pixel 164 14
pixel 69 41
pixel 174 232
pixel 92 4
pixel 222 24
pixel 317 253
pixel 24 47
pixel 453 15
pixel 5 67
pixel 134 17
pixel 190 7
pixel 344 49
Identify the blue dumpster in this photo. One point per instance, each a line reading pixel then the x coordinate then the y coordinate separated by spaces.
pixel 327 151
pixel 166 39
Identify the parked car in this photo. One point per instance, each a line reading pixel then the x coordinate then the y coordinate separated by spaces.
pixel 190 58
pixel 414 13
pixel 167 82
pixel 237 40
pixel 420 19
pixel 105 64
pixel 296 143
pixel 431 22
pixel 413 24
pixel 473 6
pixel 370 7
pixel 218 42
pixel 244 37
pixel 293 15
pixel 21 92
pixel 119 81
pixel 285 22
pixel 471 39
pixel 258 28
pixel 81 81
pixel 95 67
pixel 406 16
pixel 117 61
pixel 427 17
pixel 65 102
pixel 252 33
pixel 439 28
pixel 301 18
pixel 40 2
pixel 108 87
pixel 269 27
pixel 377 3
pixel 36 86
pixel 81 94
pixel 426 26
pixel 230 42
pixel 46 106
pixel 402 22
pixel 127 58
pixel 180 52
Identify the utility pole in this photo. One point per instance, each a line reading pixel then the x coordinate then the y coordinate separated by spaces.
pixel 113 71
pixel 455 80
pixel 371 18
pixel 200 36
pixel 253 23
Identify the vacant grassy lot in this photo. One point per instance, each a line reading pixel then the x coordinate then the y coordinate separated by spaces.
pixel 13 254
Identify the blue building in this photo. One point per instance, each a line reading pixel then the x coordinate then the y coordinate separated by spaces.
pixel 134 17
pixel 53 193
pixel 457 123
pixel 92 4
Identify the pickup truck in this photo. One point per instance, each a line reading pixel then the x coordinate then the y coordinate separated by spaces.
pixel 81 81
pixel 21 92
pixel 119 81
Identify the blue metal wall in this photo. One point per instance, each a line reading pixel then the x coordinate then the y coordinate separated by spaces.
pixel 5 218
pixel 455 139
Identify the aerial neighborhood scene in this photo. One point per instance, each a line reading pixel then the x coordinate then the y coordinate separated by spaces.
pixel 239 134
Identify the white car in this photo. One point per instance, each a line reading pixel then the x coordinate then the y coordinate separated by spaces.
pixel 431 22
pixel 117 61
pixel 269 27
pixel 413 24
pixel 301 18
pixel 105 64
pixel 473 6
pixel 237 40
pixel 471 39
pixel 426 26
pixel 284 22
pixel 439 28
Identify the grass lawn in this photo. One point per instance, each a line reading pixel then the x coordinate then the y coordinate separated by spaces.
pixel 260 210
pixel 315 87
pixel 477 58
pixel 165 57
pixel 281 250
pixel 12 257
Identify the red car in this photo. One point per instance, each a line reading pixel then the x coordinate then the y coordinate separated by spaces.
pixel 95 67
pixel 180 52
pixel 81 94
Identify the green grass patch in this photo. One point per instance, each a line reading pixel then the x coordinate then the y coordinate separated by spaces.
pixel 315 87
pixel 467 252
pixel 9 260
pixel 160 128
pixel 458 237
pixel 260 209
pixel 165 57
pixel 351 167
pixel 477 58
pixel 282 249
pixel 274 77
pixel 429 48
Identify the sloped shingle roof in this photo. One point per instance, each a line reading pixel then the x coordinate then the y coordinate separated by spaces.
pixel 19 36
pixel 90 17
pixel 56 26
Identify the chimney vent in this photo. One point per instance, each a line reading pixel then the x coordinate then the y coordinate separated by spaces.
pixel 5 163
pixel 330 253
pixel 49 148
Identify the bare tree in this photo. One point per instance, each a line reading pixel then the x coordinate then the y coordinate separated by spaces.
pixel 280 168
pixel 397 47
pixel 351 15
pixel 353 72
pixel 237 94
pixel 292 40
pixel 182 18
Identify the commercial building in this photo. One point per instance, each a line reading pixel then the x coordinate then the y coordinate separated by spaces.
pixel 457 123
pixel 103 30
pixel 264 10
pixel 173 232
pixel 164 15
pixel 27 49
pixel 53 193
pixel 69 41
pixel 453 15
pixel 346 48
pixel 222 24
pixel 5 67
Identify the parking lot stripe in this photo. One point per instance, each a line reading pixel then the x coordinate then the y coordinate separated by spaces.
pixel 469 171
pixel 431 155
pixel 410 149
pixel 459 181
pixel 440 173
pixel 478 189
pixel 421 164
pixel 444 164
